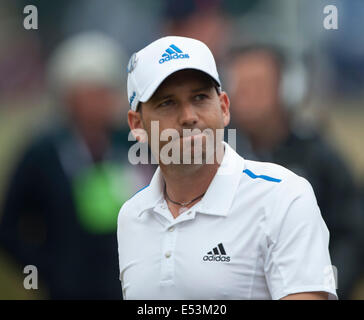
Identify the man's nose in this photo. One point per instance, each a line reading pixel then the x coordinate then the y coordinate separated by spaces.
pixel 188 115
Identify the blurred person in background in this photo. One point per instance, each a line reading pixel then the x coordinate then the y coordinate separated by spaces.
pixel 209 21
pixel 62 202
pixel 204 20
pixel 265 88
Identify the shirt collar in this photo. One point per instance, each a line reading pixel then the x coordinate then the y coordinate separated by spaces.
pixel 220 193
pixel 154 192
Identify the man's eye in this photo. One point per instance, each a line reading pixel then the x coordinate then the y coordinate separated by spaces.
pixel 165 103
pixel 200 97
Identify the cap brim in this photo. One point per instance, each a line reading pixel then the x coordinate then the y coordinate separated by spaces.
pixel 151 89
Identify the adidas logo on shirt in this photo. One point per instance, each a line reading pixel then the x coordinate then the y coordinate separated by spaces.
pixel 173 52
pixel 217 254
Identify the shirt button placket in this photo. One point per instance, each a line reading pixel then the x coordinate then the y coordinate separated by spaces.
pixel 169 243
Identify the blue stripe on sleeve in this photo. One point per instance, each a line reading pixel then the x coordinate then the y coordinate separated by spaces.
pixel 254 176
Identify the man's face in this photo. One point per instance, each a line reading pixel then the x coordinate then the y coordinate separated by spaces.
pixel 185 100
pixel 254 82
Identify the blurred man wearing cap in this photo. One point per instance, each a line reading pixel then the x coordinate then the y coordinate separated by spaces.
pixel 217 226
pixel 62 203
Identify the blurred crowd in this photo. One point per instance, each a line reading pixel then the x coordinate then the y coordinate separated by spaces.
pixel 64 165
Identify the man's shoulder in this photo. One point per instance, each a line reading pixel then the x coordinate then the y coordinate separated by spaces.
pixel 133 205
pixel 278 188
pixel 279 178
pixel 268 171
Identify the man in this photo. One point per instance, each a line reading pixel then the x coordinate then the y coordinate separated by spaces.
pixel 62 202
pixel 261 111
pixel 223 229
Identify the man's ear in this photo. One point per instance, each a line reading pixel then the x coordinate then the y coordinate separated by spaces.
pixel 225 107
pixel 136 126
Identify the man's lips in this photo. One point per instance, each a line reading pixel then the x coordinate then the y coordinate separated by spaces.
pixel 190 135
pixel 193 136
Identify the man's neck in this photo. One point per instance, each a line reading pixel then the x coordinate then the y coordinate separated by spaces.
pixel 96 141
pixel 186 182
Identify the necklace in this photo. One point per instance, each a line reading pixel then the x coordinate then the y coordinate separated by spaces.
pixel 182 204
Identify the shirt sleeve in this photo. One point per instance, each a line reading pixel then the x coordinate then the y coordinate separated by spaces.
pixel 297 257
pixel 120 225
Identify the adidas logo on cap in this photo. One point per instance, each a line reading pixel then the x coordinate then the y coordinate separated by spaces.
pixel 173 52
pixel 217 254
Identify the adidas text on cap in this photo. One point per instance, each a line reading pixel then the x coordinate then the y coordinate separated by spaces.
pixel 149 67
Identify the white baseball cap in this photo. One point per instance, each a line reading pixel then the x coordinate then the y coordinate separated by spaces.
pixel 91 57
pixel 148 67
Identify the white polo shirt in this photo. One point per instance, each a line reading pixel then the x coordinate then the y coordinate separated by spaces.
pixel 256 234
